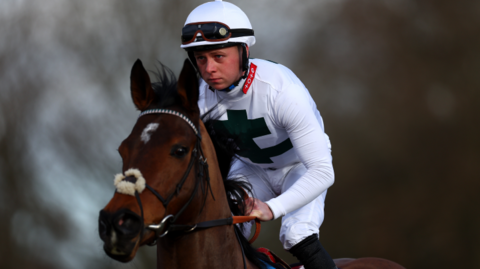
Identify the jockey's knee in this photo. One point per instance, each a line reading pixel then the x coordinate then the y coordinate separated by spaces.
pixel 293 233
pixel 302 223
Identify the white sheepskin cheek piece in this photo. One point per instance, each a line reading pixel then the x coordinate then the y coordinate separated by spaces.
pixel 118 178
pixel 125 187
pixel 140 184
pixel 129 188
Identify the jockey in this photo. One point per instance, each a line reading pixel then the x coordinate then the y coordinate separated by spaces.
pixel 284 151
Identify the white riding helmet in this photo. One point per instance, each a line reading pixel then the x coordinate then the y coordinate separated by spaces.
pixel 216 23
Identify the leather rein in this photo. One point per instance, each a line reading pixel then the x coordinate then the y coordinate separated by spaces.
pixel 167 225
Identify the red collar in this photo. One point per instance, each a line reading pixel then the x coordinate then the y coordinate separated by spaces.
pixel 250 77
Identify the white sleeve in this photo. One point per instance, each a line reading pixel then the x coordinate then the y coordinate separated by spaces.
pixel 293 111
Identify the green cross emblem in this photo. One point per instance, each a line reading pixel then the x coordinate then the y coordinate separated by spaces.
pixel 240 126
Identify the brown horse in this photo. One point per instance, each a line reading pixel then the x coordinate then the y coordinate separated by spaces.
pixel 168 195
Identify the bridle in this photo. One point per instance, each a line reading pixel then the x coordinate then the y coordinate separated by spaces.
pixel 167 224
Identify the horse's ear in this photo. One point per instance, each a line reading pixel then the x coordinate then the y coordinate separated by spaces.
pixel 188 86
pixel 140 86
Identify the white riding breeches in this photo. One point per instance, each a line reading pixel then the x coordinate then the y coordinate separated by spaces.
pixel 269 183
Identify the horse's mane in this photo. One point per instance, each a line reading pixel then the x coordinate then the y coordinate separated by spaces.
pixel 225 145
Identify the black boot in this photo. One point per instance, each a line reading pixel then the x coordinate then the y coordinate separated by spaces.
pixel 312 255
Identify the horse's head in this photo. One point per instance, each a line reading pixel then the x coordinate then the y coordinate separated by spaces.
pixel 161 159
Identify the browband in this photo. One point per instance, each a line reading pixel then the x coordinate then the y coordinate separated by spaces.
pixel 171 112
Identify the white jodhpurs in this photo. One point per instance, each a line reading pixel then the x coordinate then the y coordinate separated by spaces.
pixel 268 184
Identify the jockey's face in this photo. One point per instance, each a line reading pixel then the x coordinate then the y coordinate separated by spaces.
pixel 220 68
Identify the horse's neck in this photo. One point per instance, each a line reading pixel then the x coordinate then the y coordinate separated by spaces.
pixel 210 248
pixel 215 247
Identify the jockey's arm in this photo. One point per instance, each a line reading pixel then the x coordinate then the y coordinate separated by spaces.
pixel 294 110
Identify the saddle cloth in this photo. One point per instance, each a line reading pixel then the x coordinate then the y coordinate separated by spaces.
pixel 275 259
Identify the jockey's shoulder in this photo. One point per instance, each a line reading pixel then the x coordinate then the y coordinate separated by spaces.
pixel 274 73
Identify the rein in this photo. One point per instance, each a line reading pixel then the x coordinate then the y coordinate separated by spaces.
pixel 167 224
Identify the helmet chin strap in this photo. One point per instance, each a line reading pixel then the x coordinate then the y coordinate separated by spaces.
pixel 235 84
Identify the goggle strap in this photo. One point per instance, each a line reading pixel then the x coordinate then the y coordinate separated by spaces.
pixel 241 32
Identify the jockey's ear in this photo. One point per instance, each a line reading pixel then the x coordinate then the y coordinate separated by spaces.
pixel 140 86
pixel 188 87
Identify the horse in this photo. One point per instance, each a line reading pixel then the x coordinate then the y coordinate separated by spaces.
pixel 173 191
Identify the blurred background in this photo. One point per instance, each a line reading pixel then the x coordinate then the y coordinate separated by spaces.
pixel 396 81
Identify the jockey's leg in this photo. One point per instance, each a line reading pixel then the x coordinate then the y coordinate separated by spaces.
pixel 300 228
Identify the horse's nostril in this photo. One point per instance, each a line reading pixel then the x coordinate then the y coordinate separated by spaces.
pixel 128 223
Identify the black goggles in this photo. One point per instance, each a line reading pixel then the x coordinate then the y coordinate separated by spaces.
pixel 211 31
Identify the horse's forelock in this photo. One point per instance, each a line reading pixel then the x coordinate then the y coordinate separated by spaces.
pixel 165 88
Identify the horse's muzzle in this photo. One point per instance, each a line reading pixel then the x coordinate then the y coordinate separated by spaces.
pixel 120 231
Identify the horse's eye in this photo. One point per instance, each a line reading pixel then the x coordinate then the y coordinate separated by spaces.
pixel 179 152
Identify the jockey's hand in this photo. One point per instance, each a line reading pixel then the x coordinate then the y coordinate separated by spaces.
pixel 257 208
